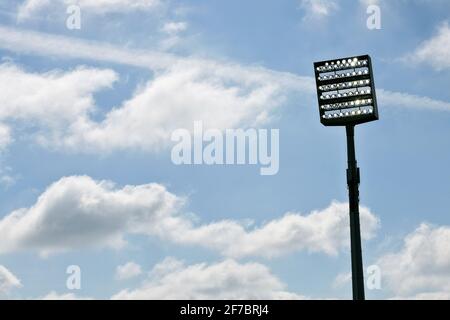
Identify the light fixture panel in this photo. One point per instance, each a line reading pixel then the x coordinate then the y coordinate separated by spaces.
pixel 346 91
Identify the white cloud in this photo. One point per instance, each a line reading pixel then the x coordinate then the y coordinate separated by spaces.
pixel 61 105
pixel 43 44
pixel 405 100
pixel 172 32
pixel 7 177
pixel 426 296
pixel 317 9
pixel 171 279
pixel 25 41
pixel 223 95
pixel 384 2
pixel 128 271
pixel 5 136
pixel 220 96
pixel 8 281
pixel 31 7
pixel 342 279
pixel 78 212
pixel 369 2
pixel 173 27
pixel 323 231
pixel 48 104
pixel 421 268
pixel 65 296
pixel 435 51
pixel 54 98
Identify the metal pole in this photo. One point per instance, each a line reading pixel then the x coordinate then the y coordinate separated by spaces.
pixel 353 179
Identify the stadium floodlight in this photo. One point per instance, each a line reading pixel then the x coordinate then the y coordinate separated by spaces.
pixel 346 91
pixel 346 95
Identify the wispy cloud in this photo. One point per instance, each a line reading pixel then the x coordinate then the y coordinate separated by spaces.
pixel 317 9
pixel 37 43
pixel 8 281
pixel 342 279
pixel 128 270
pixel 54 296
pixel 31 7
pixel 173 27
pixel 434 51
pixel 405 100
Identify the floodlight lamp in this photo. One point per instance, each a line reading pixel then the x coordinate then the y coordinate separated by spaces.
pixel 346 91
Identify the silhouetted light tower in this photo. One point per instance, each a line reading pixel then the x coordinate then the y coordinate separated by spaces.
pixel 346 95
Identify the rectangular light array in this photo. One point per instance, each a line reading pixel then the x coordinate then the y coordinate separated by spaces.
pixel 346 91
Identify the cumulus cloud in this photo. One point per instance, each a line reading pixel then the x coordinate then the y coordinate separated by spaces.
pixel 421 268
pixel 434 51
pixel 8 281
pixel 128 271
pixel 61 105
pixel 172 279
pixel 30 7
pixel 214 95
pixel 79 212
pixel 54 99
pixel 323 231
pixel 48 106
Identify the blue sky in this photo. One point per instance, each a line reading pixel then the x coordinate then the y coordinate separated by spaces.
pixel 82 107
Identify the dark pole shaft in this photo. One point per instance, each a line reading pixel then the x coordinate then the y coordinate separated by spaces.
pixel 353 179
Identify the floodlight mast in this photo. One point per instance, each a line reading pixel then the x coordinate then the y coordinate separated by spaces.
pixel 347 99
pixel 353 180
